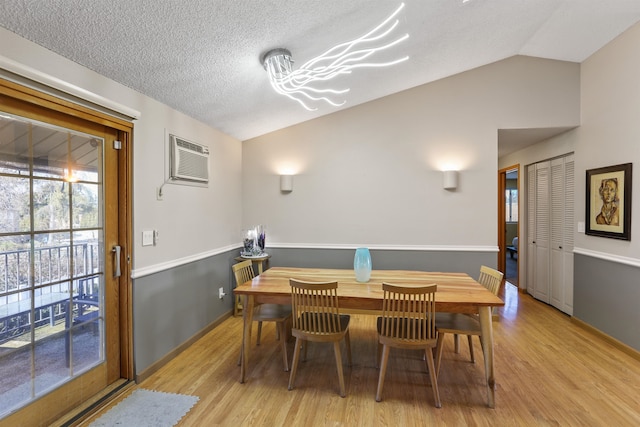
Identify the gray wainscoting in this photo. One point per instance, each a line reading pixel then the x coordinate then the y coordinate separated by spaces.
pixel 171 306
pixel 457 261
pixel 606 296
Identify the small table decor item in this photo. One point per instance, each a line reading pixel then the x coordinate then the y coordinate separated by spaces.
pixel 253 242
pixel 608 202
pixel 362 265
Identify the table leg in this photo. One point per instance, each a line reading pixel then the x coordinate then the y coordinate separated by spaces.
pixel 247 317
pixel 487 348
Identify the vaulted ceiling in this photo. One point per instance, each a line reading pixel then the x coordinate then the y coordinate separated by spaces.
pixel 202 57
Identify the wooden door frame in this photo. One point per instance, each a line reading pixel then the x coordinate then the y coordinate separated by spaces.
pixel 46 409
pixel 502 186
pixel 125 235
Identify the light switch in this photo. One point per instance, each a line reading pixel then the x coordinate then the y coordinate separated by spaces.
pixel 147 238
pixel 580 226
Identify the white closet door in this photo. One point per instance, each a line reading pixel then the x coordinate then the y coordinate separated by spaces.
pixel 542 233
pixel 531 229
pixel 550 208
pixel 556 297
pixel 569 221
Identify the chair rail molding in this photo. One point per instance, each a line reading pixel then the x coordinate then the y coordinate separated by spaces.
pixel 634 262
pixel 156 268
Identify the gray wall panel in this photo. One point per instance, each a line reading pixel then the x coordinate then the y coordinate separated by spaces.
pixel 172 306
pixel 466 262
pixel 606 296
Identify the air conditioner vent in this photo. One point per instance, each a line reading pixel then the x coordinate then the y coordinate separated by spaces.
pixel 189 161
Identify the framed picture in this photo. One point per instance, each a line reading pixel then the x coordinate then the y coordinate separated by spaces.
pixel 608 210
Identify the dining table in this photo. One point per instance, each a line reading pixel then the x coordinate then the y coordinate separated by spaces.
pixel 457 293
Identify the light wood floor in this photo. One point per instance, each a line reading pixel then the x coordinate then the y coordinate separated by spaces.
pixel 549 372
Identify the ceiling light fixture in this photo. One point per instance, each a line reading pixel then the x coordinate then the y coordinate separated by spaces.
pixel 340 59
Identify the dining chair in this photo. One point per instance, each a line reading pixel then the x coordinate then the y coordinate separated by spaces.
pixel 407 322
pixel 280 314
pixel 317 318
pixel 465 324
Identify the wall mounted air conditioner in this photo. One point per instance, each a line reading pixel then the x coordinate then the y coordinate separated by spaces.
pixel 189 161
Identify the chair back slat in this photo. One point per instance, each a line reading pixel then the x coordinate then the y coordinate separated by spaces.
pixel 408 313
pixel 315 307
pixel 490 279
pixel 243 272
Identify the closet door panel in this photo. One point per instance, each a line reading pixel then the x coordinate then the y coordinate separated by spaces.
pixel 542 233
pixel 531 229
pixel 556 297
pixel 567 247
pixel 550 232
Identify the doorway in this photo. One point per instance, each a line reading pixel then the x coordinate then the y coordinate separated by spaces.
pixel 508 222
pixel 65 311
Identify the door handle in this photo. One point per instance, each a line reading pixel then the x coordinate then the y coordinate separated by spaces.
pixel 116 262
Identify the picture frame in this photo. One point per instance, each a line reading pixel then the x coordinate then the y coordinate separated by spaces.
pixel 608 202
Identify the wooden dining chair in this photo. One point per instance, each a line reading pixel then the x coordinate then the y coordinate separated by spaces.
pixel 317 318
pixel 280 314
pixel 408 322
pixel 465 324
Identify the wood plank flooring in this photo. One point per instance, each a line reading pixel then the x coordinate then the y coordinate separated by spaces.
pixel 549 372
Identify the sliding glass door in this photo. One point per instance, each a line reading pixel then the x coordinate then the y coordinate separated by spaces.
pixel 59 259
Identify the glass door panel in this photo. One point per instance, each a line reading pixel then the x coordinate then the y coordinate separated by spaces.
pixel 52 278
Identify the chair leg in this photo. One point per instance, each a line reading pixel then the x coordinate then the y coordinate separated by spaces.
pixel 294 363
pixel 347 342
pixel 305 346
pixel 473 358
pixel 259 332
pixel 336 350
pixel 424 358
pixel 378 355
pixel 434 377
pixel 456 343
pixel 383 372
pixel 439 346
pixel 285 358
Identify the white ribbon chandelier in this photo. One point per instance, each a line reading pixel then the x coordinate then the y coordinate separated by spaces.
pixel 339 60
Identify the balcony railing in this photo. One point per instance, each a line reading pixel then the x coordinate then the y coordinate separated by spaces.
pixel 51 286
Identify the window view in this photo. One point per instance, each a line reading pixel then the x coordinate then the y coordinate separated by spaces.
pixel 511 214
pixel 51 265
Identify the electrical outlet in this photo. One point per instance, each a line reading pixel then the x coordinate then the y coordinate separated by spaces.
pixel 221 292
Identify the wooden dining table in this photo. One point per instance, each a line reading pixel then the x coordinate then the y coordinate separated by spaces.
pixel 457 293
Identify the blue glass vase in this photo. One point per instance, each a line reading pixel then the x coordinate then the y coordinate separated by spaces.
pixel 362 265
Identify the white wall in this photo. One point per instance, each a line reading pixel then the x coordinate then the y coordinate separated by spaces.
pixel 610 131
pixel 371 175
pixel 192 222
pixel 608 135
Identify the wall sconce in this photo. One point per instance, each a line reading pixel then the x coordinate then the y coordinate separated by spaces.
pixel 450 181
pixel 286 183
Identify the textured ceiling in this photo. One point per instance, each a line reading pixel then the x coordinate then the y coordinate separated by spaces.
pixel 202 57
